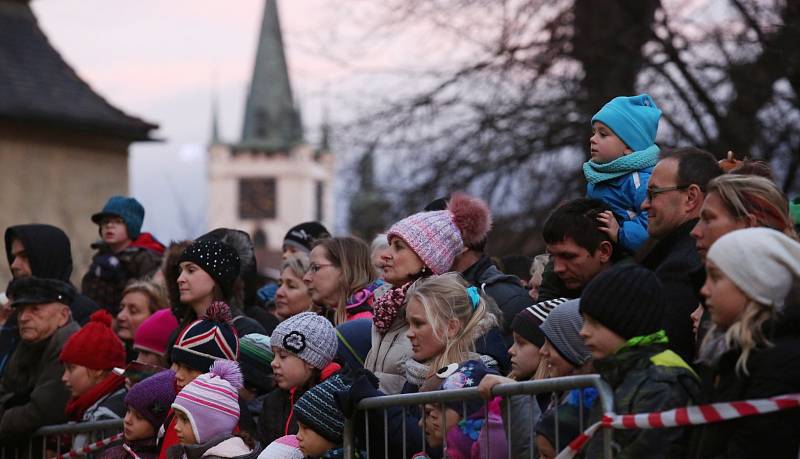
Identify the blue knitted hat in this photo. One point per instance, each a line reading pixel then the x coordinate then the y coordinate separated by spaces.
pixel 128 209
pixel 633 119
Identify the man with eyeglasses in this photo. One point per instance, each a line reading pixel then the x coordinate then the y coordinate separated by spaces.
pixel 675 194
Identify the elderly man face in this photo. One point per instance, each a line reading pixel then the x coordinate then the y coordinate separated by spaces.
pixel 37 322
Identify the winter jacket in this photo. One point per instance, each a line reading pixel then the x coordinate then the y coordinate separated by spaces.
pixel 388 354
pixel 646 378
pixel 144 449
pixel 110 406
pixel 625 195
pixel 31 392
pixel 355 339
pixel 221 447
pixel 772 371
pixel 525 414
pixel 505 289
pixel 673 259
pixel 50 256
pixel 277 413
pixel 491 344
pixel 110 272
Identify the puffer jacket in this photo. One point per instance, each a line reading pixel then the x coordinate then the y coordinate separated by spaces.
pixel 772 371
pixel 387 356
pixel 222 447
pixel 646 377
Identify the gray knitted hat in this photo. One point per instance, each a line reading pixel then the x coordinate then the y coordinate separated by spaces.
pixel 309 336
pixel 562 328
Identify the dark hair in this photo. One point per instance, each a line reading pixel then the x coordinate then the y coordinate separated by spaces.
pixel 577 219
pixel 695 166
pixel 753 167
pixel 518 265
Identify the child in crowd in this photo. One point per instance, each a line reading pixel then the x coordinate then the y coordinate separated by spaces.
pixel 148 403
pixel 752 350
pixel 623 311
pixel 152 338
pixel 124 254
pixel 303 348
pixel 479 435
pixel 197 347
pixel 207 412
pixel 286 447
pixel 320 420
pixel 89 356
pixel 623 153
pixel 255 360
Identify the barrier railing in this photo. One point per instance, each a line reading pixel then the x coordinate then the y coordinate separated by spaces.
pixel 58 441
pixel 529 388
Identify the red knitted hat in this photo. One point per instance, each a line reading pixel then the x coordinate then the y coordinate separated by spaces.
pixel 95 346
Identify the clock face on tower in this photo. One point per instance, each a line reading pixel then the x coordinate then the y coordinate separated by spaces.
pixel 257 198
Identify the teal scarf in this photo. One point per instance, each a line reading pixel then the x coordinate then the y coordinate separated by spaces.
pixel 636 161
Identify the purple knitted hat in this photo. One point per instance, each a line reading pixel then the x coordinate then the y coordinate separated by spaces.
pixel 437 237
pixel 211 401
pixel 152 397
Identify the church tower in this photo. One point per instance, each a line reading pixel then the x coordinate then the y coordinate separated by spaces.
pixel 271 179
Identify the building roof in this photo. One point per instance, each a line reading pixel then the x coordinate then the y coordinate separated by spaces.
pixel 37 86
pixel 271 120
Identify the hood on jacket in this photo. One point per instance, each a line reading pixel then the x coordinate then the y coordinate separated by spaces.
pixel 148 241
pixel 47 247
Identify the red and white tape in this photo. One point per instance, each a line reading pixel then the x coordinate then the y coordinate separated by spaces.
pixel 684 416
pixel 92 447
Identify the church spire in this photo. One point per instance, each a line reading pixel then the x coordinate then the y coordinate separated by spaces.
pixel 271 121
pixel 214 120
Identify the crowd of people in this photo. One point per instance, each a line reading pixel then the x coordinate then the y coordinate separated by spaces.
pixel 676 278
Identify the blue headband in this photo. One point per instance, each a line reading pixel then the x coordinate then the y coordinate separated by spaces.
pixel 474 297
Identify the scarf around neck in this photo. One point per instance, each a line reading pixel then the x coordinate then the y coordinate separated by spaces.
pixel 387 307
pixel 77 406
pixel 638 160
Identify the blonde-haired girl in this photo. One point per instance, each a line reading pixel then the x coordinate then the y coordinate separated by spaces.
pixel 753 348
pixel 445 316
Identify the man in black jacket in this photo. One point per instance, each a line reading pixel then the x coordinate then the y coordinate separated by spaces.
pixel 675 195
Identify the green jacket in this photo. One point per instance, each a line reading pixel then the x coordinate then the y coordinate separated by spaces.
pixel 646 377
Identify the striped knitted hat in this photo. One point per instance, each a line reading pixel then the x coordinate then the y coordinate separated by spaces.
pixel 211 401
pixel 317 409
pixel 562 329
pixel 255 357
pixel 438 236
pixel 208 339
pixel 526 323
pixel 309 336
pixel 286 447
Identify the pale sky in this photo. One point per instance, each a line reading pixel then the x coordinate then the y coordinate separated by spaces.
pixel 163 60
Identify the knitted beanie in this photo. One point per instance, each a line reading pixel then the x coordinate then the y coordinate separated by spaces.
pixel 211 401
pixel 626 298
pixel 762 262
pixel 153 334
pixel 309 336
pixel 255 356
pixel 526 323
pixel 216 258
pixel 302 236
pixel 153 396
pixel 286 447
pixel 128 209
pixel 562 329
pixel 95 346
pixel 633 119
pixel 438 236
pixel 317 409
pixel 208 339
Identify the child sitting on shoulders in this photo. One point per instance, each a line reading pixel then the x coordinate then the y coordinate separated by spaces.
pixel 207 412
pixel 623 153
pixel 148 403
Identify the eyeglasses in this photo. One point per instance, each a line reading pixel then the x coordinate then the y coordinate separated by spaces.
pixel 652 192
pixel 314 268
pixel 106 221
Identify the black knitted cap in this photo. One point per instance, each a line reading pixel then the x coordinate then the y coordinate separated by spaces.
pixel 626 298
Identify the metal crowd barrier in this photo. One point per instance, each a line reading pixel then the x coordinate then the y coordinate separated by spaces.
pixel 529 388
pixel 56 440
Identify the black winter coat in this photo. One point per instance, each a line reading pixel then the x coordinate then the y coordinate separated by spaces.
pixel 773 371
pixel 505 289
pixel 673 259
